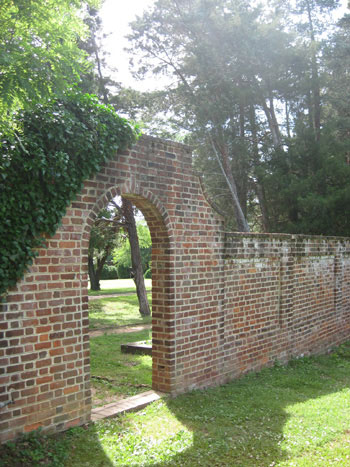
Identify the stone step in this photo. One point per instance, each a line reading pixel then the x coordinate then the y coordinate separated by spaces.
pixel 131 404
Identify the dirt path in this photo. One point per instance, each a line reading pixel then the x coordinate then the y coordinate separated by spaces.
pixel 112 295
pixel 119 330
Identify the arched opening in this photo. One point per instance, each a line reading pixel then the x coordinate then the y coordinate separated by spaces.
pixel 163 296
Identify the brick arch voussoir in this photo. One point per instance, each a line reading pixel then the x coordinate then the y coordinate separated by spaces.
pixel 143 199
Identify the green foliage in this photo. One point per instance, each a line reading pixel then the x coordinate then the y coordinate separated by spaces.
pixel 42 168
pixel 148 274
pixel 123 271
pixel 104 236
pixel 309 185
pixel 109 272
pixel 265 82
pixel 122 254
pixel 39 53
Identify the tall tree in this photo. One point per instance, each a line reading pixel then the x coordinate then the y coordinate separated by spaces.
pixel 312 10
pixel 225 63
pixel 96 80
pixel 130 225
pixel 39 53
pixel 243 88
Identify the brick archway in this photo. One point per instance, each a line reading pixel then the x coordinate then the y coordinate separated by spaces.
pixel 45 317
pixel 223 303
pixel 163 297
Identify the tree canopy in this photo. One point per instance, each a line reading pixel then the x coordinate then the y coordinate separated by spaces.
pixel 252 86
pixel 122 254
pixel 39 52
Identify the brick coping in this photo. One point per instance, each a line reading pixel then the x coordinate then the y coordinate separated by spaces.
pixel 131 404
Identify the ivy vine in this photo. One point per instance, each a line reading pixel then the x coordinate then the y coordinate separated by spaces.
pixel 42 168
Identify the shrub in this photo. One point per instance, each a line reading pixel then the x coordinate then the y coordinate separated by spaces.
pixel 109 272
pixel 123 271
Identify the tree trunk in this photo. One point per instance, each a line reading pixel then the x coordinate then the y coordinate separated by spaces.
pixel 135 257
pixel 259 189
pixel 315 80
pixel 222 158
pixel 273 124
pixel 94 278
pixel 95 272
pixel 260 193
pixel 242 175
pixel 287 119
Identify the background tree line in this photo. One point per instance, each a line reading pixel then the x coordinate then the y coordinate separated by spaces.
pixel 261 91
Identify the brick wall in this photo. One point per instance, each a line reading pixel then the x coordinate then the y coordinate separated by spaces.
pixel 286 296
pixel 223 304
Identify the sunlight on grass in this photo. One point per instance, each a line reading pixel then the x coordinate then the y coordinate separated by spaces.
pixel 116 373
pixel 311 423
pixel 116 311
pixel 116 286
pixel 294 415
pixel 153 437
pixel 211 429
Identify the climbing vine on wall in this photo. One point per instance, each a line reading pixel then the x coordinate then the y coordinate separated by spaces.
pixel 42 168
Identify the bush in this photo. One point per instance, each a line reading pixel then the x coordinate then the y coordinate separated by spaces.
pixel 148 274
pixel 123 271
pixel 109 272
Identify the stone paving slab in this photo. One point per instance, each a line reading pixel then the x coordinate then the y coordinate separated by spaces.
pixel 130 404
pixel 138 348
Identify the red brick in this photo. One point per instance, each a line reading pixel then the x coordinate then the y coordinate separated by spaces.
pixel 231 302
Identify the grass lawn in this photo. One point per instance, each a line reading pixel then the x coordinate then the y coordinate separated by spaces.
pixel 115 374
pixel 298 415
pixel 118 286
pixel 116 311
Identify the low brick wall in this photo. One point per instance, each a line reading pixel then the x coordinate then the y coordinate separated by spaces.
pixel 222 303
pixel 285 296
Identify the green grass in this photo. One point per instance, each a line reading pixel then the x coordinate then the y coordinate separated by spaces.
pixel 298 415
pixel 116 311
pixel 118 286
pixel 114 373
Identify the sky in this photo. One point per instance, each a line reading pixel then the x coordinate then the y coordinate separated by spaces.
pixel 116 16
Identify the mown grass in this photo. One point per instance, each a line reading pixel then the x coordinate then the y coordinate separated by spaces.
pixel 114 373
pixel 295 415
pixel 118 286
pixel 116 311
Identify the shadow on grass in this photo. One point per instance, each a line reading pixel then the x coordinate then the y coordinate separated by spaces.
pixel 295 415
pixel 36 449
pixel 279 416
